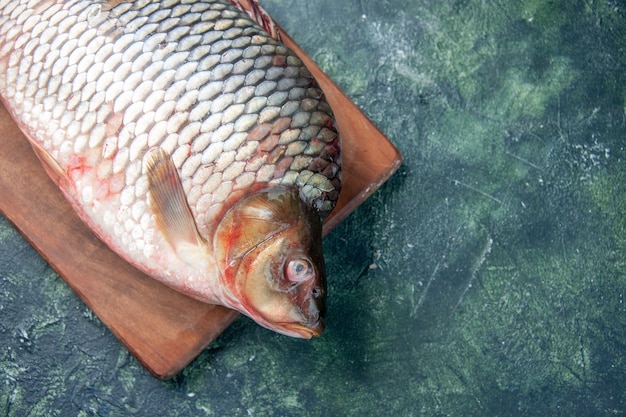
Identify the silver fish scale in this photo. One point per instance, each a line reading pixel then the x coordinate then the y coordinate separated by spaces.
pixel 98 85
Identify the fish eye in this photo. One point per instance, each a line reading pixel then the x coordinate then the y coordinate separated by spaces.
pixel 299 269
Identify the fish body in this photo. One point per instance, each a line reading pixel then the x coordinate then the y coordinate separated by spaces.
pixel 191 141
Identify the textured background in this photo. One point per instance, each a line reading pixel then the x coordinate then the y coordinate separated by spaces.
pixel 486 278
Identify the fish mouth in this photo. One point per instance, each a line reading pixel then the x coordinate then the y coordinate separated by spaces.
pixel 305 331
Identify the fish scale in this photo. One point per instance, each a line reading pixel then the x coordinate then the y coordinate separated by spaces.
pixel 100 86
pixel 128 47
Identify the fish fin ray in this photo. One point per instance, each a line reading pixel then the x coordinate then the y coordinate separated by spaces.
pixel 172 214
pixel 50 165
pixel 254 10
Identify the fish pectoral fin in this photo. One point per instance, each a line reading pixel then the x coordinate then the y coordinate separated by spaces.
pixel 171 211
pixel 51 166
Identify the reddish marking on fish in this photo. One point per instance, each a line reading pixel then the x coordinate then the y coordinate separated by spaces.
pixel 259 132
pixel 109 187
pixel 269 144
pixel 230 270
pixel 231 265
pixel 102 191
pixel 282 166
pixel 281 125
pixel 280 61
pixel 77 167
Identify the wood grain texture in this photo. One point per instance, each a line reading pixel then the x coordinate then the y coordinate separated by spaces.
pixel 162 328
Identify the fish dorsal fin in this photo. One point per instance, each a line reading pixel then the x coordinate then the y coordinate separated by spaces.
pixel 172 214
pixel 254 10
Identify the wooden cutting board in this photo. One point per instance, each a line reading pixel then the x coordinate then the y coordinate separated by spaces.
pixel 163 329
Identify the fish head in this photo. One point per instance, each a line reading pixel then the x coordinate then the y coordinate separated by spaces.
pixel 269 248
